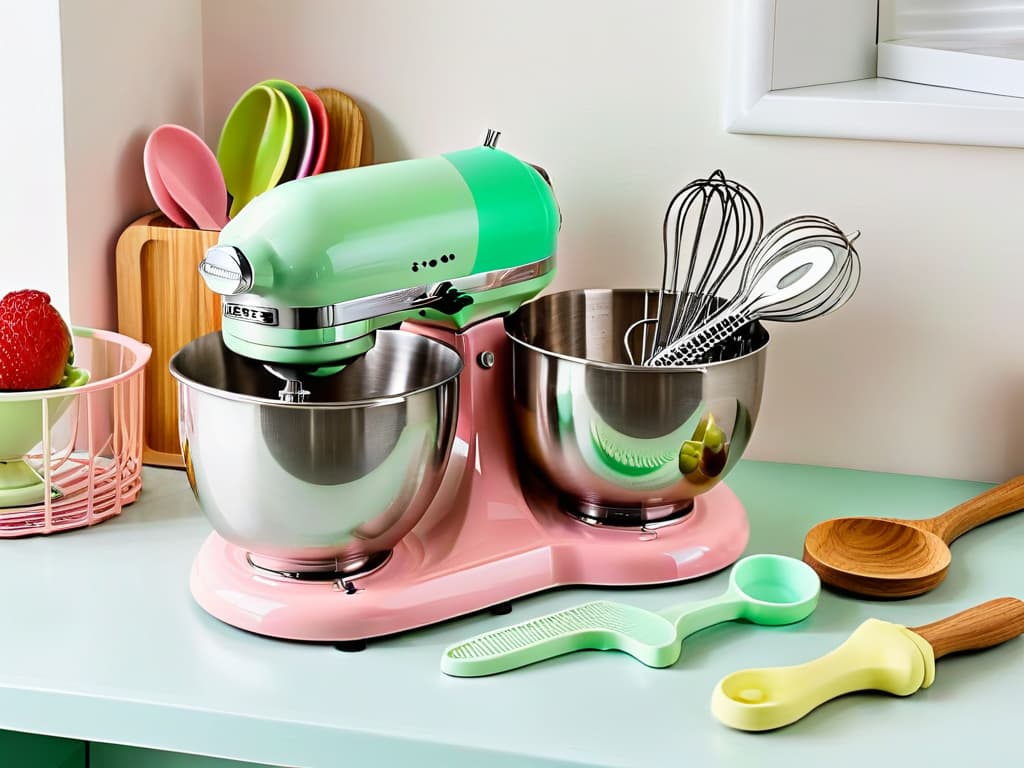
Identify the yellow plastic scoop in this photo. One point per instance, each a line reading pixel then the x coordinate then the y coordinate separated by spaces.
pixel 879 656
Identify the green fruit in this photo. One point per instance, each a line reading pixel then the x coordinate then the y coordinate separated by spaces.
pixel 690 455
pixel 714 438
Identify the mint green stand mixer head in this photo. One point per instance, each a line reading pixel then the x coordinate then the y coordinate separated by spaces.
pixel 309 270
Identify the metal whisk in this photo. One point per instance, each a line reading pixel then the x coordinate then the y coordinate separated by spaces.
pixel 803 268
pixel 709 227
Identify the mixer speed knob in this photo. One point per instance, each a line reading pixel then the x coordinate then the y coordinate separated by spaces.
pixel 226 270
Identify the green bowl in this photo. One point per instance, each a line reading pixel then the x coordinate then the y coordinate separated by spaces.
pixel 21 413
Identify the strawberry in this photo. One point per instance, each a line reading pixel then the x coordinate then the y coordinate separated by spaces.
pixel 35 343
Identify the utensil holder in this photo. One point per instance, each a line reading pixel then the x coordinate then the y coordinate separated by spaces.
pixel 162 302
pixel 89 451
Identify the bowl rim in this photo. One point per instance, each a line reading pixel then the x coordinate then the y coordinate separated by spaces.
pixel 622 367
pixel 140 351
pixel 370 402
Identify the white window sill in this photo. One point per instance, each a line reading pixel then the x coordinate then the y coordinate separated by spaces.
pixel 887 110
pixel 990 63
pixel 870 108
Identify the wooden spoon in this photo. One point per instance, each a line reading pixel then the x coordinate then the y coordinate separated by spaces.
pixel 879 655
pixel 881 557
pixel 366 156
pixel 350 143
pixel 976 628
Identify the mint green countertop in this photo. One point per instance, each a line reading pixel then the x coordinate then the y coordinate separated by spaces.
pixel 101 641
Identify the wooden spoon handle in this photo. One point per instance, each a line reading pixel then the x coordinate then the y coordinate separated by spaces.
pixel 979 627
pixel 993 503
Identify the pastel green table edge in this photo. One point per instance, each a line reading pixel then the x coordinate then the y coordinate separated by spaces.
pixel 159 673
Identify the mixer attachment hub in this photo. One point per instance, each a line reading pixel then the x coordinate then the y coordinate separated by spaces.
pixel 340 573
pixel 626 517
pixel 293 392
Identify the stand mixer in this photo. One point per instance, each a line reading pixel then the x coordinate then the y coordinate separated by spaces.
pixel 384 436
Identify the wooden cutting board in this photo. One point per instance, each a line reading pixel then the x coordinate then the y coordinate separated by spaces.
pixel 350 141
pixel 162 301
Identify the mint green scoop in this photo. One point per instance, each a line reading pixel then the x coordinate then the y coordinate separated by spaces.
pixel 763 589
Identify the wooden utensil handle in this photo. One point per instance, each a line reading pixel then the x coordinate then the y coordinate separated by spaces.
pixel 993 503
pixel 979 627
pixel 162 301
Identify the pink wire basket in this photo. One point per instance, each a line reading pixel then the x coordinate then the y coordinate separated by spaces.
pixel 72 457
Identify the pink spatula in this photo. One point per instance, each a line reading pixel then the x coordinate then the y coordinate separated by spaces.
pixel 189 171
pixel 321 129
pixel 164 201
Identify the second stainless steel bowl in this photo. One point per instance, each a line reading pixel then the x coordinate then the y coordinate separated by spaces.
pixel 331 483
pixel 624 444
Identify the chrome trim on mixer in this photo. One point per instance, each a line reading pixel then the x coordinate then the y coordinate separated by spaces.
pixel 436 295
pixel 319 572
pixel 249 313
pixel 630 518
pixel 499 278
pixel 226 270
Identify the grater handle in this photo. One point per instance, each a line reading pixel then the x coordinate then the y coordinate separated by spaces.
pixel 691 347
pixel 688 618
pixel 519 645
pixel 600 625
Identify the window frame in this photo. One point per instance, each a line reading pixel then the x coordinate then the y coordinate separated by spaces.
pixel 873 108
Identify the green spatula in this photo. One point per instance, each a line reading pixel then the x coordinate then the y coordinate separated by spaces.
pixel 254 145
pixel 763 589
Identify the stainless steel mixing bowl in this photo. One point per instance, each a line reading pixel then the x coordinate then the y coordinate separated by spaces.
pixel 624 444
pixel 329 484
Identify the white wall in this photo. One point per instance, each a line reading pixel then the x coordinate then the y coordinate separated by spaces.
pixel 88 80
pixel 621 102
pixel 921 373
pixel 128 66
pixel 33 249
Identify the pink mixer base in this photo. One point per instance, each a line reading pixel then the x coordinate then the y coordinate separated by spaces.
pixel 480 544
pixel 509 556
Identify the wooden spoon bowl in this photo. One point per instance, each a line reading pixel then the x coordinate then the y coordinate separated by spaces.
pixel 350 142
pixel 876 557
pixel 889 558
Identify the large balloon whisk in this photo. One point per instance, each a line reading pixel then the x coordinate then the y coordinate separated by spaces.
pixel 803 268
pixel 709 226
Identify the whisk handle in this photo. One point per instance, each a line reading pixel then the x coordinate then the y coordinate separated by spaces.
pixel 691 347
